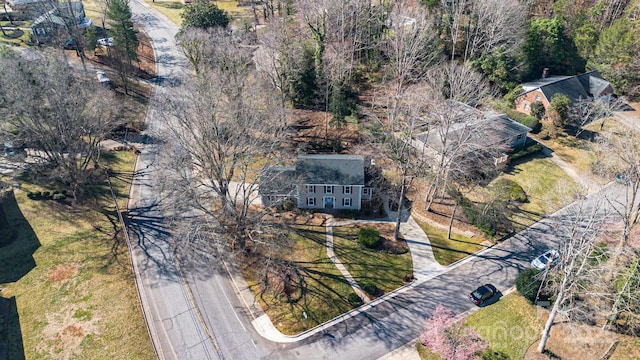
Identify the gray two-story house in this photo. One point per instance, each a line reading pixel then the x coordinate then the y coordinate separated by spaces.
pixel 319 182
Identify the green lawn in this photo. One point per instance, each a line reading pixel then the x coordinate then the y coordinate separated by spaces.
pixel 547 187
pixel 170 9
pixel 384 270
pixel 71 278
pixel 447 251
pixel 426 354
pixel 510 325
pixel 325 289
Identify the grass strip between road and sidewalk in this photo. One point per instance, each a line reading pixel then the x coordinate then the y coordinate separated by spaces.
pixel 510 325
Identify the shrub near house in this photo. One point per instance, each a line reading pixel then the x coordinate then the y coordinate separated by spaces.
pixel 369 237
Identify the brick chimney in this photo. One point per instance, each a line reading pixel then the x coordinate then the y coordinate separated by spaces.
pixel 545 73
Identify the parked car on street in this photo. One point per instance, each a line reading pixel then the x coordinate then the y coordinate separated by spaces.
pixel 482 294
pixel 550 257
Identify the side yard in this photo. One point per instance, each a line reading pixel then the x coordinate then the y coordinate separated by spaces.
pixel 68 270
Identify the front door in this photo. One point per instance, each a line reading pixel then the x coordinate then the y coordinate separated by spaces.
pixel 328 202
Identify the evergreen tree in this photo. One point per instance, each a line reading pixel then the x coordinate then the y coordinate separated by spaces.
pixel 125 37
pixel 203 14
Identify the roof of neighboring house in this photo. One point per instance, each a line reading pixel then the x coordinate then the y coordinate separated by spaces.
pixel 493 130
pixel 14 3
pixel 577 87
pixel 331 169
pixel 56 14
pixel 593 83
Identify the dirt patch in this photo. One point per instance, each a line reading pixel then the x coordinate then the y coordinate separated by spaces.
pixel 64 333
pixel 284 281
pixel 73 330
pixel 313 135
pixel 63 272
pixel 574 341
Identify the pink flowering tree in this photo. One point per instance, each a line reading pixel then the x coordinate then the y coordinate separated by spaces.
pixel 445 335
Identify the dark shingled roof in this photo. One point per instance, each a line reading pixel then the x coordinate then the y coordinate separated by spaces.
pixel 578 87
pixel 331 169
pixel 491 131
pixel 278 180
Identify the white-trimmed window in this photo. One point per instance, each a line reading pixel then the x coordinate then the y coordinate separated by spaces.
pixel 346 190
pixel 365 191
pixel 538 98
pixel 328 189
pixel 526 106
pixel 311 201
pixel 311 189
pixel 346 202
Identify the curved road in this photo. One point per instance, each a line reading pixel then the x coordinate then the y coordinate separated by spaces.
pixel 196 313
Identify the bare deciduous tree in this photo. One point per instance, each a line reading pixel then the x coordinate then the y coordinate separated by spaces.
pixel 578 234
pixel 279 56
pixel 494 26
pixel 228 125
pixel 585 111
pixel 451 127
pixel 61 116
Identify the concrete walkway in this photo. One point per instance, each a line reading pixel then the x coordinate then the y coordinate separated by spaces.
pixel 425 267
pixel 334 259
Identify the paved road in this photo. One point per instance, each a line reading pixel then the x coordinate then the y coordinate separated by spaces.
pixel 218 326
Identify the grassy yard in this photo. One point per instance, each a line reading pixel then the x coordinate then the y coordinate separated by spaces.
pixel 382 269
pixel 324 290
pixel 170 9
pixel 447 251
pixel 510 326
pixel 426 354
pixel 70 274
pixel 547 187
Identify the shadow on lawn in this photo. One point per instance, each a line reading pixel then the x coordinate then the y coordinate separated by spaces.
pixel 10 334
pixel 20 242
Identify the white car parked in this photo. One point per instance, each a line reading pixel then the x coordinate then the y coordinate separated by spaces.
pixel 108 41
pixel 102 77
pixel 550 257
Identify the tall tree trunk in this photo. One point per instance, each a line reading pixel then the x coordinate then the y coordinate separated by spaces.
pixel 453 215
pixel 396 232
pixel 554 311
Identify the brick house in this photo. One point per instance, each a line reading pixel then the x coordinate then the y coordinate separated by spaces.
pixel 586 86
pixel 318 182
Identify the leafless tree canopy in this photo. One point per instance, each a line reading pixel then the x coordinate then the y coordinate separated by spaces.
pixel 62 116
pixel 229 125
